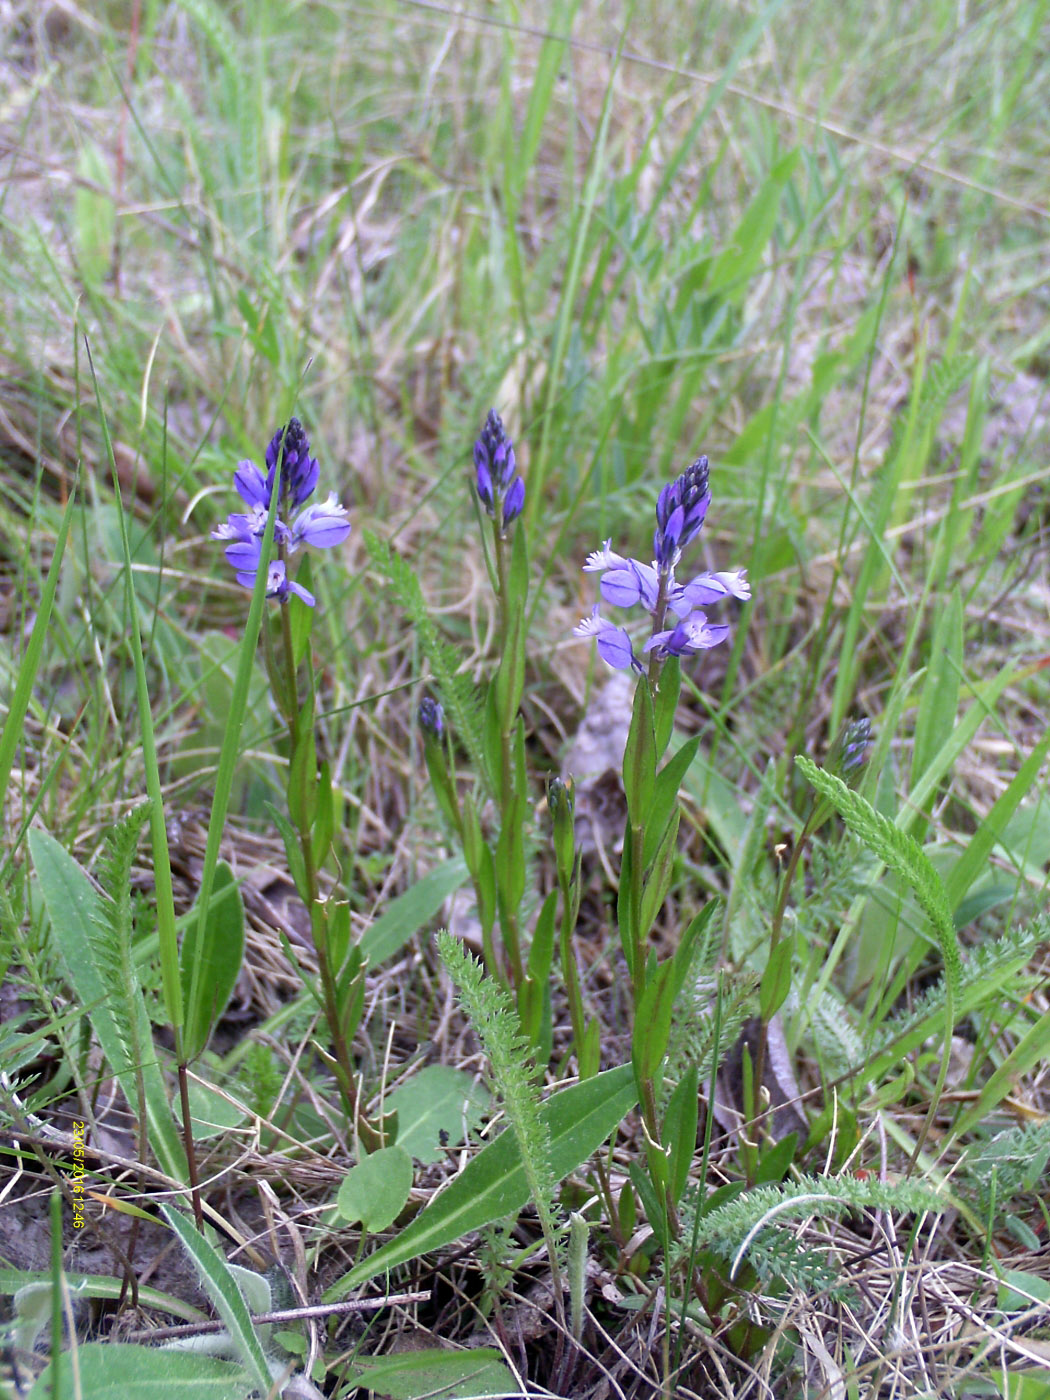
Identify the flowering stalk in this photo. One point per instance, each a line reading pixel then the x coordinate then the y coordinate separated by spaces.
pixel 291 477
pixel 501 492
pixel 567 859
pixel 651 791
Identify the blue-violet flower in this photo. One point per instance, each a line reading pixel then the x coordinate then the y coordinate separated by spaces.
pixel 681 509
pixel 322 524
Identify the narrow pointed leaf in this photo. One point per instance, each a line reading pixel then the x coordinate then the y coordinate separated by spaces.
pixel 217 941
pixel 405 916
pixel 221 1288
pixel 71 898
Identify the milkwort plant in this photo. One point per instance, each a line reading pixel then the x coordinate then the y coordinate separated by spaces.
pixel 678 628
pixel 266 537
pixel 498 866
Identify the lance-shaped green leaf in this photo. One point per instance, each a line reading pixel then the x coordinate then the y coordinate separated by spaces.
pixel 122 1371
pixel 658 880
pixel 222 1289
pixel 117 1011
pixel 217 942
pixel 404 916
pixel 665 702
pixel 776 980
pixel 652 1022
pixel 494 1184
pixel 665 795
pixel 679 1130
pixel 639 759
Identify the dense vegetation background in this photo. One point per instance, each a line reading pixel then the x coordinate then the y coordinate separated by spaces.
pixel 807 240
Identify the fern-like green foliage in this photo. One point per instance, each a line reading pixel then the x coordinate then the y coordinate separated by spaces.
pixel 899 851
pixel 832 1026
pixel 1007 1165
pixel 459 695
pixel 940 383
pixel 691 1041
pixel 747 1226
pixel 981 974
pixel 493 1016
pixel 112 933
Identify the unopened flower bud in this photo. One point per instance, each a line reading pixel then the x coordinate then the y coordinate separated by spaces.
pixel 431 718
pixel 851 749
pixel 561 802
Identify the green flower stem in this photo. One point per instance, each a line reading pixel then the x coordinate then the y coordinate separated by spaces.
pixel 637 890
pixel 570 906
pixel 647 1102
pixel 345 1070
pixel 658 615
pixel 817 814
pixel 509 927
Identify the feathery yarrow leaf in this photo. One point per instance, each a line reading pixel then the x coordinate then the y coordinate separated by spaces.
pixel 733 1228
pixel 1008 1164
pixel 899 851
pixel 113 929
pixel 981 973
pixel 493 1016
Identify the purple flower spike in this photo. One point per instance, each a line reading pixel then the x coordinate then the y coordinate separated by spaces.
pixel 431 717
pixel 852 748
pixel 680 513
pixel 500 489
pixel 322 525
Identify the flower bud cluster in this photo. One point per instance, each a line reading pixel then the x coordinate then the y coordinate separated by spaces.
pixel 500 489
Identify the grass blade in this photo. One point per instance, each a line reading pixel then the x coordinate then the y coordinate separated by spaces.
pixel 13 729
pixel 163 889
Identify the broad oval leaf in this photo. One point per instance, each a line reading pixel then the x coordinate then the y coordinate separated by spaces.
pixel 376 1189
pixel 437 1374
pixel 435 1109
